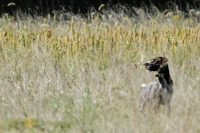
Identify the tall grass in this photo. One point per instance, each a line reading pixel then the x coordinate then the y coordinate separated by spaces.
pixel 84 75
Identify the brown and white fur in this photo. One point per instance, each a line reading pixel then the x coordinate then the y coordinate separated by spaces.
pixel 159 92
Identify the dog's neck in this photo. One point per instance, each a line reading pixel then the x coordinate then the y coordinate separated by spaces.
pixel 164 76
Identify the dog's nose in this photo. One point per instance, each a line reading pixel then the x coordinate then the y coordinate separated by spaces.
pixel 148 66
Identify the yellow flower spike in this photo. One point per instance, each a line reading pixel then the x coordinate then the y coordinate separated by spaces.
pixel 45 20
pixel 81 109
pixel 119 29
pixel 87 29
pixel 97 18
pixel 66 39
pixel 54 18
pixel 72 22
pixel 101 6
pixel 29 122
pixel 48 33
pixel 72 26
pixel 176 17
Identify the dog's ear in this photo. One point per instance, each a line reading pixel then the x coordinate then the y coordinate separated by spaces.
pixel 164 60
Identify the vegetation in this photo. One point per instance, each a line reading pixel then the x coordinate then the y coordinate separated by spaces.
pixel 84 75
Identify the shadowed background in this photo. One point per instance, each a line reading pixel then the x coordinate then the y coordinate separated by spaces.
pixel 83 6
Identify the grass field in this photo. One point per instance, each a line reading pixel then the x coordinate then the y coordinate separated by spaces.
pixel 84 75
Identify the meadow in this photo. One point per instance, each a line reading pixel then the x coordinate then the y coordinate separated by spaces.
pixel 68 73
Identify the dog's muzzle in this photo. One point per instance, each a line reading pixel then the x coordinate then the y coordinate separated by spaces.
pixel 152 67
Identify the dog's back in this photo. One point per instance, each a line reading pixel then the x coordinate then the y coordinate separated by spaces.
pixel 150 93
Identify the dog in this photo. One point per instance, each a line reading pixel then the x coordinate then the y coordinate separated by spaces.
pixel 159 92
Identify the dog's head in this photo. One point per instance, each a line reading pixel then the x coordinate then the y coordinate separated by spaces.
pixel 156 63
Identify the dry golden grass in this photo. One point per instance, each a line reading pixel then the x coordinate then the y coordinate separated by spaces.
pixel 78 76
